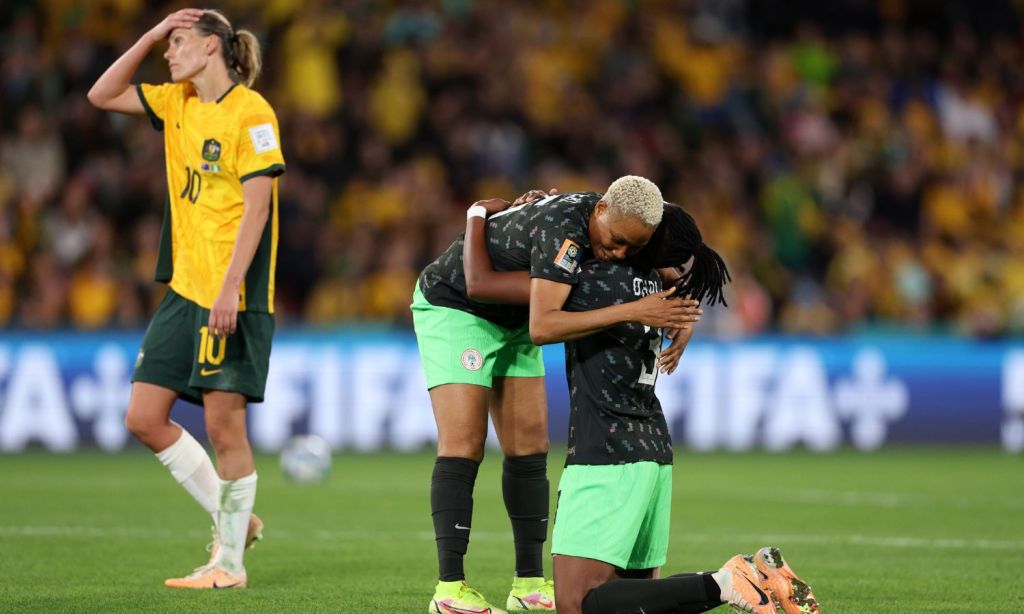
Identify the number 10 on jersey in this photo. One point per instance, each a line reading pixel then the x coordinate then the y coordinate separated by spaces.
pixel 193 185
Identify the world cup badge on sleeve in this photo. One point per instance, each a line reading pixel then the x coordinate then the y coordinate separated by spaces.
pixel 568 256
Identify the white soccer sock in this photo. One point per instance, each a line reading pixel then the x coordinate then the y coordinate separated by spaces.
pixel 192 468
pixel 236 500
pixel 723 577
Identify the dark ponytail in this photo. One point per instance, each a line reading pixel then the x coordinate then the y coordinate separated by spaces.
pixel 240 49
pixel 245 53
pixel 674 242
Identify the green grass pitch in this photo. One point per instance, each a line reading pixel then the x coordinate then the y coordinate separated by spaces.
pixel 904 530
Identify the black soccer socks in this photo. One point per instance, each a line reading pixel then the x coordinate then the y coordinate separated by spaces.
pixel 451 505
pixel 524 483
pixel 681 594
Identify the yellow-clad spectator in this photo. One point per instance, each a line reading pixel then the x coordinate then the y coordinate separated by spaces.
pixel 312 80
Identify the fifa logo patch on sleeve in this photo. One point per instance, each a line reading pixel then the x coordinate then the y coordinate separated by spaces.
pixel 568 256
pixel 263 138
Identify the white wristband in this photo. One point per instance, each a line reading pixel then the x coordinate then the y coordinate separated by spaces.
pixel 476 211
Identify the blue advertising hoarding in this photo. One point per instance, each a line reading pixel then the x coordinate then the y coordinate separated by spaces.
pixel 366 392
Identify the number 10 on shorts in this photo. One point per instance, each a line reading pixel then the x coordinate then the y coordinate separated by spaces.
pixel 206 347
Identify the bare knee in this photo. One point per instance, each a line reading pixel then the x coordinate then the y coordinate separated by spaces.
pixel 460 411
pixel 462 445
pixel 529 437
pixel 136 424
pixel 148 416
pixel 148 427
pixel 226 437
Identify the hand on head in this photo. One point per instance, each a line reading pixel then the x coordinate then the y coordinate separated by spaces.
pixel 185 18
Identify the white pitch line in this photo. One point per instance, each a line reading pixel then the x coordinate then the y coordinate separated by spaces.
pixel 852 498
pixel 879 541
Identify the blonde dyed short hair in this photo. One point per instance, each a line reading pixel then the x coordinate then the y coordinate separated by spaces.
pixel 633 196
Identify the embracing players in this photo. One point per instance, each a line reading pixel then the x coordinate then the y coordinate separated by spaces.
pixel 480 358
pixel 614 504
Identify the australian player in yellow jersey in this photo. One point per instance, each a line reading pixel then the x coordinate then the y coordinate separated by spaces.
pixel 209 341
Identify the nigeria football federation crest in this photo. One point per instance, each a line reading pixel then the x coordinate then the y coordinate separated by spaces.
pixel 211 150
pixel 472 359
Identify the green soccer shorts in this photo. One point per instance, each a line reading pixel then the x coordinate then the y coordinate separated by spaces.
pixel 618 514
pixel 179 352
pixel 459 348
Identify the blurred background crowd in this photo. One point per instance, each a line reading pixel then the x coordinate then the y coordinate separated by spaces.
pixel 857 162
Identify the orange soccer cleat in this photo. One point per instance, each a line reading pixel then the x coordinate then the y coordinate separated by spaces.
pixel 791 593
pixel 208 577
pixel 742 588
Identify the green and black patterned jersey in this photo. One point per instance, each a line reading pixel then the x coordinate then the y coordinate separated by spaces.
pixel 614 417
pixel 549 238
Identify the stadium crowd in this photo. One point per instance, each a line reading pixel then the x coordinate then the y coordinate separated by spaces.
pixel 857 164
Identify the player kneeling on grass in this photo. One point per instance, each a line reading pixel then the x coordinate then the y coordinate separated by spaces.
pixel 612 525
pixel 209 341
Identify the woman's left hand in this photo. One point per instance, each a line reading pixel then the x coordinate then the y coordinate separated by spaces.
pixel 668 360
pixel 224 313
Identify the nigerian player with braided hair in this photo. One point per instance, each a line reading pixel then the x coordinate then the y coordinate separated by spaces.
pixel 209 340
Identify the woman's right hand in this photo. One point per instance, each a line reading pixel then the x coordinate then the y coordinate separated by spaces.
pixel 533 195
pixel 185 18
pixel 662 310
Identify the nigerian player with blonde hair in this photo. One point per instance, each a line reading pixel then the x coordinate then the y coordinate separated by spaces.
pixel 209 340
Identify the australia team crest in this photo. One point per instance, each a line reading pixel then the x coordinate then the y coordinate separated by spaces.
pixel 211 150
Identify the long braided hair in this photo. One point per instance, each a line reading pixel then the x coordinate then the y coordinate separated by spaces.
pixel 676 240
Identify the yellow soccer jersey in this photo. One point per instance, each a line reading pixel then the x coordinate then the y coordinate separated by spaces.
pixel 211 149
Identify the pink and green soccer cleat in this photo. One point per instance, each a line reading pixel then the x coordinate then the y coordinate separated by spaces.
pixel 531 595
pixel 458 598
